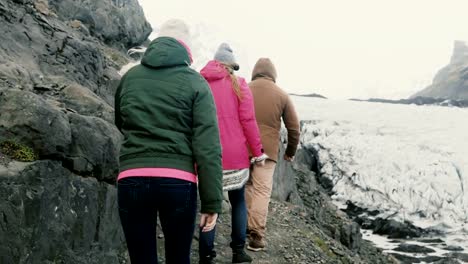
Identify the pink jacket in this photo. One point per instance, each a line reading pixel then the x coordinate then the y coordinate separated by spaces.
pixel 236 117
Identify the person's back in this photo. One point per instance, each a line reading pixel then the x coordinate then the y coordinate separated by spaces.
pixel 236 118
pixel 238 132
pixel 166 113
pixel 271 106
pixel 155 112
pixel 272 102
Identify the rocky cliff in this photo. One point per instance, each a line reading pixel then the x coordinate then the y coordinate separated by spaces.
pixel 451 82
pixel 58 71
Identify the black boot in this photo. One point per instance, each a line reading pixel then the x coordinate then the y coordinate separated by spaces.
pixel 239 256
pixel 208 259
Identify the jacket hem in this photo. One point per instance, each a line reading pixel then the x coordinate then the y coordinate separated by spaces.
pixel 157 162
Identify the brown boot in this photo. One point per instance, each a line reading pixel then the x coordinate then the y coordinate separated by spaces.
pixel 256 242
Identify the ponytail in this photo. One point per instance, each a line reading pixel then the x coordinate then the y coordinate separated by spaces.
pixel 234 81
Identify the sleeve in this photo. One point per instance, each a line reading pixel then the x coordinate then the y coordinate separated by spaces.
pixel 207 150
pixel 291 122
pixel 247 119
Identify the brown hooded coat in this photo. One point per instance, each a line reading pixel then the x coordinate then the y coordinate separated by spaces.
pixel 272 104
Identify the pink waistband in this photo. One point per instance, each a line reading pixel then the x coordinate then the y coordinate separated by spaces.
pixel 159 172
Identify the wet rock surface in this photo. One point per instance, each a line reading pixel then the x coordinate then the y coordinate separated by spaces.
pixel 409 248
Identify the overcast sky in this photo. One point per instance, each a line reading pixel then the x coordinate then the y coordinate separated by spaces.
pixel 338 48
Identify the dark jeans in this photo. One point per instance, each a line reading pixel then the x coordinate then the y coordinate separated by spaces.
pixel 239 225
pixel 140 200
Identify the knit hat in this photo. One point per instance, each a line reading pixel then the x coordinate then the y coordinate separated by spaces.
pixel 176 28
pixel 225 55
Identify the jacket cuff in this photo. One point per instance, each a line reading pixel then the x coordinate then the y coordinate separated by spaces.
pixel 258 153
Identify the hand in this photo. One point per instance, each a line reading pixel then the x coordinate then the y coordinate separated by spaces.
pixel 208 221
pixel 288 158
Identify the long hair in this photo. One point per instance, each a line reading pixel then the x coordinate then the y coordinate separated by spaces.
pixel 234 81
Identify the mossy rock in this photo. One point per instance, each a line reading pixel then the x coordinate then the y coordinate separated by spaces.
pixel 18 151
pixel 324 247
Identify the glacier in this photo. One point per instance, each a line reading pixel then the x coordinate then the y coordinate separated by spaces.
pixel 409 162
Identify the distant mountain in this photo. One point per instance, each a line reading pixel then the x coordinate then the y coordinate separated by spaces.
pixel 451 82
pixel 419 100
pixel 309 95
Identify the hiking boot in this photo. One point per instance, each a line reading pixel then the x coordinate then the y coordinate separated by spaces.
pixel 256 243
pixel 208 259
pixel 239 256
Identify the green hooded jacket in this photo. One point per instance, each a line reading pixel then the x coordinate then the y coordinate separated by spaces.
pixel 166 112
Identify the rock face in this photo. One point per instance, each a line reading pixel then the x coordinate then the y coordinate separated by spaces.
pixel 451 82
pixel 59 63
pixel 46 53
pixel 50 215
pixel 119 23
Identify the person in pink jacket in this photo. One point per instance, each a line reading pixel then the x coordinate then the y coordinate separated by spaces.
pixel 239 136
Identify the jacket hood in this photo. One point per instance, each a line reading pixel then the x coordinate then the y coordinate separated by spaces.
pixel 214 70
pixel 166 52
pixel 264 68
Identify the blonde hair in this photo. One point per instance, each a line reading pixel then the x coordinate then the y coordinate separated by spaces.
pixel 234 80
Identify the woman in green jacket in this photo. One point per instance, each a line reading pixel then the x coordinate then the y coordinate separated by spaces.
pixel 165 111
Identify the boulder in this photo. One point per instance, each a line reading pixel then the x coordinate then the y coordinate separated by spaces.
pixel 412 248
pixel 50 215
pixel 84 102
pixel 119 23
pixel 31 120
pixel 284 182
pixel 94 148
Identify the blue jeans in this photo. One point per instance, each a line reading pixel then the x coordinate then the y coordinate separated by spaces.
pixel 140 200
pixel 239 225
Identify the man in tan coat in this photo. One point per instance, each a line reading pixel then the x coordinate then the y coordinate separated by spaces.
pixel 271 104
